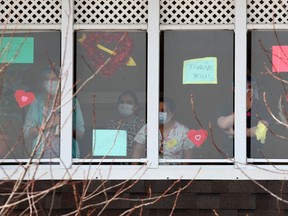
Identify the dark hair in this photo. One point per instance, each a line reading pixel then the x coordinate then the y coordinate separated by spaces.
pixel 47 71
pixel 169 103
pixel 130 93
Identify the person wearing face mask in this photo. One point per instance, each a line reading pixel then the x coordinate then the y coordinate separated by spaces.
pixel 42 122
pixel 128 118
pixel 173 140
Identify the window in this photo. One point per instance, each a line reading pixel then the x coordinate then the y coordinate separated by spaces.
pixel 113 102
pixel 269 75
pixel 199 63
pixel 27 59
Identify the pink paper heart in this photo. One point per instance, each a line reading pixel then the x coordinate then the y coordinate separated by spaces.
pixel 198 137
pixel 24 98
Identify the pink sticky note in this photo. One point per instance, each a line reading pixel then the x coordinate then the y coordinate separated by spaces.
pixel 280 59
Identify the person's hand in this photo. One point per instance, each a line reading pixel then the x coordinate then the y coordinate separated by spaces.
pixel 230 132
pixel 266 123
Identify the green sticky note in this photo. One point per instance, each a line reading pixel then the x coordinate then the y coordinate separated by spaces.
pixel 17 50
pixel 109 142
pixel 200 71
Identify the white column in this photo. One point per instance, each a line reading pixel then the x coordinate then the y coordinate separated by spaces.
pixel 240 80
pixel 153 82
pixel 66 83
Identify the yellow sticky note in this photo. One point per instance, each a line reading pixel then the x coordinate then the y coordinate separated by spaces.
pixel 261 132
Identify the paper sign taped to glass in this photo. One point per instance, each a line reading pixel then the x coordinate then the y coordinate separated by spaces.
pixel 17 50
pixel 109 142
pixel 279 59
pixel 200 71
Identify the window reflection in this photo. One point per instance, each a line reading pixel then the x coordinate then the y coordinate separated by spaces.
pixel 267 59
pixel 113 102
pixel 23 58
pixel 200 63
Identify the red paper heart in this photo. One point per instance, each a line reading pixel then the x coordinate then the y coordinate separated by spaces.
pixel 24 98
pixel 198 137
pixel 123 48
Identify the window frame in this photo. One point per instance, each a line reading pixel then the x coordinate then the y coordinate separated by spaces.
pixel 240 167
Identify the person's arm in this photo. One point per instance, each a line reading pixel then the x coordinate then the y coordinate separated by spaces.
pixel 226 122
pixel 139 151
pixel 139 144
pixel 78 126
pixel 31 128
pixel 251 132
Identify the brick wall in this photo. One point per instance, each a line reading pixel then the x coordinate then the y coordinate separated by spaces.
pixel 199 198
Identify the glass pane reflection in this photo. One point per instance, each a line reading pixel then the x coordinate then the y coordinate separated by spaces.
pixel 113 102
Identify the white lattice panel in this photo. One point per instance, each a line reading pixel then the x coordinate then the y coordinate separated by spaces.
pixel 30 11
pixel 197 12
pixel 111 11
pixel 267 11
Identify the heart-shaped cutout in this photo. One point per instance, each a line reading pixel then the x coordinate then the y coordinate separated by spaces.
pixel 198 137
pixel 98 44
pixel 24 98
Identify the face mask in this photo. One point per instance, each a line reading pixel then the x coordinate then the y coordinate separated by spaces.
pixel 163 118
pixel 125 109
pixel 51 87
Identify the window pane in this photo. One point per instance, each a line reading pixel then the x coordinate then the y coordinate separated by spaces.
pixel 269 67
pixel 198 63
pixel 111 80
pixel 26 61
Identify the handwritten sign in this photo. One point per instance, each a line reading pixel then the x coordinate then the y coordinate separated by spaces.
pixel 280 59
pixel 17 50
pixel 109 142
pixel 200 71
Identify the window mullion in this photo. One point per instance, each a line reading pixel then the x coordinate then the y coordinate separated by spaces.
pixel 153 82
pixel 66 84
pixel 240 81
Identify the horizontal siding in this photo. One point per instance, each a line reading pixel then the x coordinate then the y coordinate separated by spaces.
pixel 200 198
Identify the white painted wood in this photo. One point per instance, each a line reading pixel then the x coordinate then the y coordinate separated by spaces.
pixel 240 82
pixel 153 83
pixel 67 56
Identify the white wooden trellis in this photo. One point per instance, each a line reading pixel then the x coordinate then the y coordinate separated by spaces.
pixel 30 12
pixel 136 11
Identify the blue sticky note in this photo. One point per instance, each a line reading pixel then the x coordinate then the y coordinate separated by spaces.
pixel 17 50
pixel 109 142
pixel 200 71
